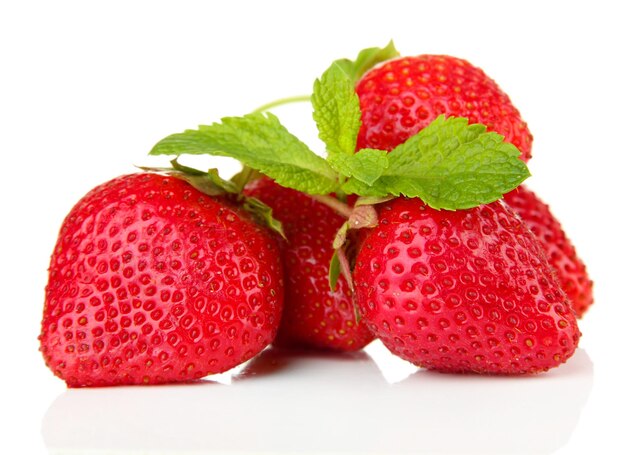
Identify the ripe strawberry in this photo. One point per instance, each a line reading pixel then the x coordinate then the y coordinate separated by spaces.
pixel 314 316
pixel 404 95
pixel 570 270
pixel 152 281
pixel 464 291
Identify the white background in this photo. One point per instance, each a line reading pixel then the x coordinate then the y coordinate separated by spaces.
pixel 86 88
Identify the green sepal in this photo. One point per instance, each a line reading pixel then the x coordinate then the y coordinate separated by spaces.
pixel 245 176
pixel 208 182
pixel 211 184
pixel 264 214
pixel 334 271
pixel 366 60
pixel 339 265
pixel 341 235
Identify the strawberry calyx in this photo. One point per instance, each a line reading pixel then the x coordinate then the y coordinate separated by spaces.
pixel 210 183
pixel 366 60
pixel 360 216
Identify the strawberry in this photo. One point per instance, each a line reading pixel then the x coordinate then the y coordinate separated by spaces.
pixel 570 270
pixel 152 281
pixel 402 96
pixel 464 291
pixel 314 316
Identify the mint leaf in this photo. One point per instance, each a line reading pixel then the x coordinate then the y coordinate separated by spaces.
pixel 336 111
pixel 355 186
pixel 260 141
pixel 452 165
pixel 337 114
pixel 367 59
pixel 366 166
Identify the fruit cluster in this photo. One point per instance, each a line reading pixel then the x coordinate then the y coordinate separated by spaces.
pixel 412 228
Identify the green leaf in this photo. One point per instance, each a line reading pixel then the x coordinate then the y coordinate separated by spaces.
pixel 355 186
pixel 336 111
pixel 366 166
pixel 260 141
pixel 452 165
pixel 336 107
pixel 367 59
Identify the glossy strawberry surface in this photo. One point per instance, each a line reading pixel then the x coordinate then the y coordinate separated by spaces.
pixel 561 253
pixel 402 96
pixel 152 281
pixel 464 291
pixel 314 315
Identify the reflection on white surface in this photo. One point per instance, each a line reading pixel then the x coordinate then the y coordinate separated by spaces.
pixel 285 402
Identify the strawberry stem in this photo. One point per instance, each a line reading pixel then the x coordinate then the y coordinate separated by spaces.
pixel 341 208
pixel 363 216
pixel 282 101
pixel 247 173
pixel 344 266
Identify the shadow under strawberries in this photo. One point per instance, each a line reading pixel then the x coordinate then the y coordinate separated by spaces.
pixel 321 403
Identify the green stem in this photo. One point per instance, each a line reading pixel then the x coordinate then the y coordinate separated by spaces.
pixel 247 173
pixel 281 101
pixel 341 208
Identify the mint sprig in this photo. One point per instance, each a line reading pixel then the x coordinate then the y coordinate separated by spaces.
pixel 450 164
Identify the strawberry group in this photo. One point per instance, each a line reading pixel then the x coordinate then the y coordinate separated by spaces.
pixel 412 228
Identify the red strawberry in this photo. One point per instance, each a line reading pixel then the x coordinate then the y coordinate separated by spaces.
pixel 561 253
pixel 151 281
pixel 314 316
pixel 464 291
pixel 403 96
